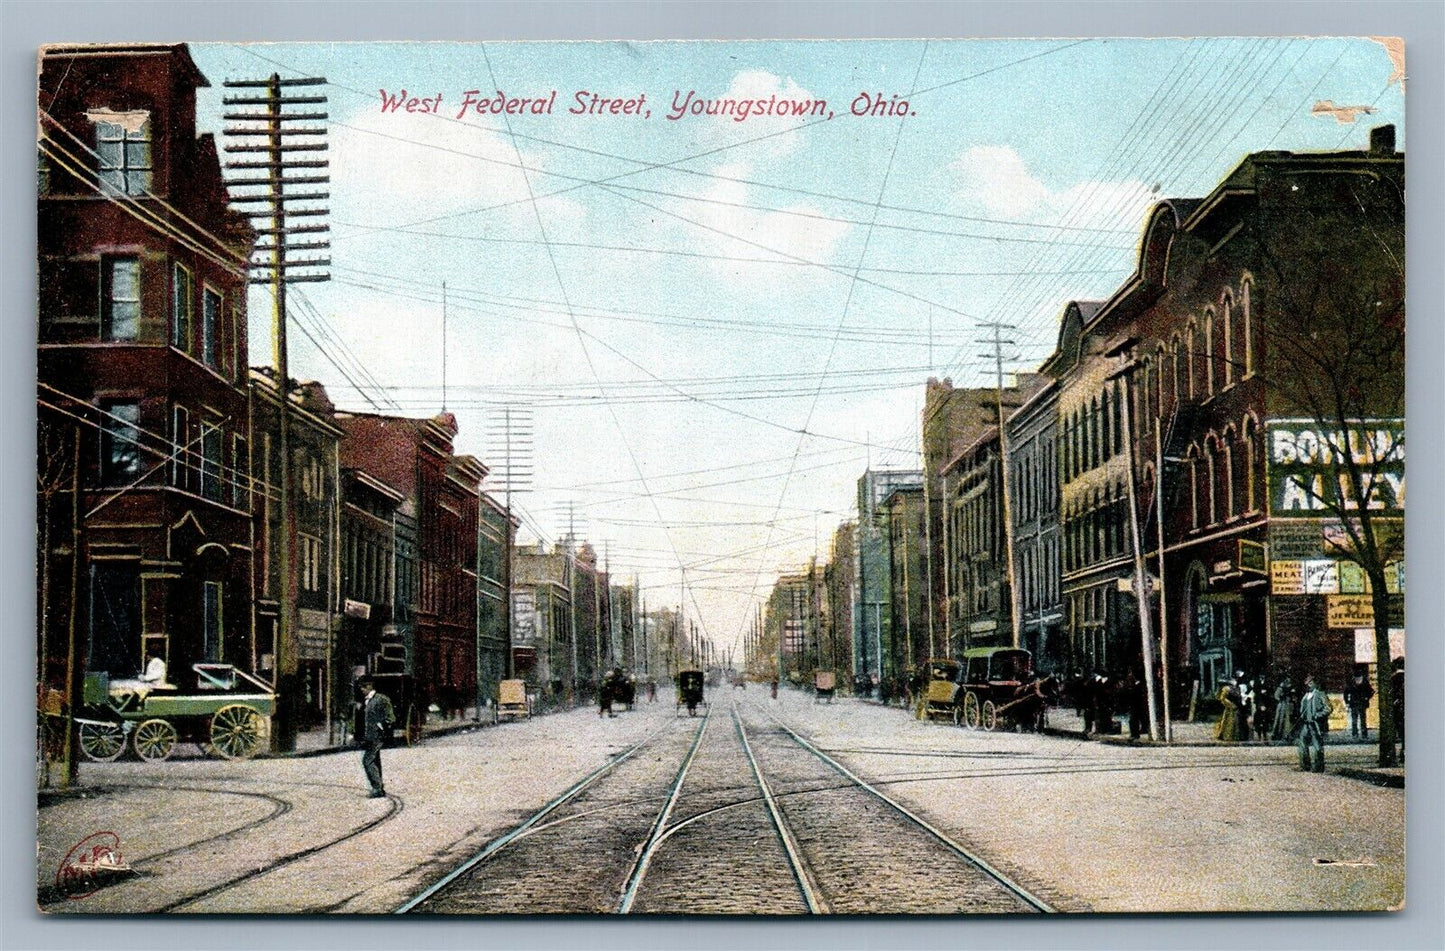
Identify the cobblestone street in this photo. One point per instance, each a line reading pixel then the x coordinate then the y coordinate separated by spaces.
pixel 1074 825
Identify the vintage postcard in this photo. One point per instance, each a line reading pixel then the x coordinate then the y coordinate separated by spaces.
pixel 731 478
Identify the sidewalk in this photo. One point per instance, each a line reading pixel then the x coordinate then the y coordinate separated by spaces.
pixel 1063 721
pixel 320 741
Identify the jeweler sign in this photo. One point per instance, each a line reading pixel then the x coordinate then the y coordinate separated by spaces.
pixel 1310 466
pixel 1349 610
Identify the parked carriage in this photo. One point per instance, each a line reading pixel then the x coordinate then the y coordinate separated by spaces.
pixel 224 711
pixel 825 685
pixel 512 701
pixel 942 694
pixel 690 691
pixel 996 688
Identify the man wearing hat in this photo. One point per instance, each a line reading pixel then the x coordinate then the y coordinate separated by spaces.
pixel 377 720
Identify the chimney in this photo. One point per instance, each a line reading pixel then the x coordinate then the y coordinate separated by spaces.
pixel 1382 140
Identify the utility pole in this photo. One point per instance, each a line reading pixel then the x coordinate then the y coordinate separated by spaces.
pixel 514 432
pixel 1163 611
pixel 279 145
pixel 1141 582
pixel 1004 479
pixel 444 346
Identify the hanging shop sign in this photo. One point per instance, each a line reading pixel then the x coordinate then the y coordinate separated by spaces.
pixel 1310 468
pixel 1252 557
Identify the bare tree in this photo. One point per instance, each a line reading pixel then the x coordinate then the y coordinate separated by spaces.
pixel 1335 348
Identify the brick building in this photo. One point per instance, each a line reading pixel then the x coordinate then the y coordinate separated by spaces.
pixel 314 532
pixel 910 642
pixel 543 625
pixel 142 367
pixel 1033 458
pixel 414 458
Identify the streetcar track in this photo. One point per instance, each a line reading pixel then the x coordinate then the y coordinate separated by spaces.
pixel 807 882
pixel 396 806
pixel 1007 884
pixel 644 856
pixel 527 826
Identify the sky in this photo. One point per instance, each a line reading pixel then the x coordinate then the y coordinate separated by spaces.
pixel 707 329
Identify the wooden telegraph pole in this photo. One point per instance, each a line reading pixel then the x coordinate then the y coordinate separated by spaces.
pixel 269 135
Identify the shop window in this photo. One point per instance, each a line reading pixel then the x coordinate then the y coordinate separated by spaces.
pixel 211 621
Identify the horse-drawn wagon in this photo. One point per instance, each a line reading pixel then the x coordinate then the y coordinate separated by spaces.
pixel 225 711
pixel 690 691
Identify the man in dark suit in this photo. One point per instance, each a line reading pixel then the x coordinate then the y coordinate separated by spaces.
pixel 377 720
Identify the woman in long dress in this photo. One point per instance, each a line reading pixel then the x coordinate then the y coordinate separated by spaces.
pixel 1227 728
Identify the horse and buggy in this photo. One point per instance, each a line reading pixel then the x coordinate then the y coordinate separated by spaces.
pixel 992 688
pixel 223 710
pixel 690 691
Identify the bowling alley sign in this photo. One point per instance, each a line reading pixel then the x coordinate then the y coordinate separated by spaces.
pixel 1310 469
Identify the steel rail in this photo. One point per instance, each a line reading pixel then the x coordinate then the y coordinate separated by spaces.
pixel 1008 884
pixel 396 805
pixel 520 831
pixel 659 825
pixel 812 894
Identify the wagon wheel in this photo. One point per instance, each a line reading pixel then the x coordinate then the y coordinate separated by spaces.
pixel 154 740
pixel 971 715
pixel 102 742
pixel 990 715
pixel 235 732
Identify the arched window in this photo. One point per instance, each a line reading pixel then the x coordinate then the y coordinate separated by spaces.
pixel 1246 288
pixel 1191 459
pixel 1093 433
pixel 1178 382
pixel 1163 373
pixel 1226 317
pixel 1249 434
pixel 1211 453
pixel 1141 407
pixel 1208 352
pixel 1191 342
pixel 1105 435
pixel 1227 488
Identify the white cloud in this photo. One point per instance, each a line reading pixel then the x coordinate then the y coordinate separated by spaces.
pixel 813 239
pixel 994 176
pixel 995 179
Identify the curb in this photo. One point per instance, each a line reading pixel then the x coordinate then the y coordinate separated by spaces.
pixel 352 747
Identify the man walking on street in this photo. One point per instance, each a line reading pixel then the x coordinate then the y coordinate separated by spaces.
pixel 1314 722
pixel 377 718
